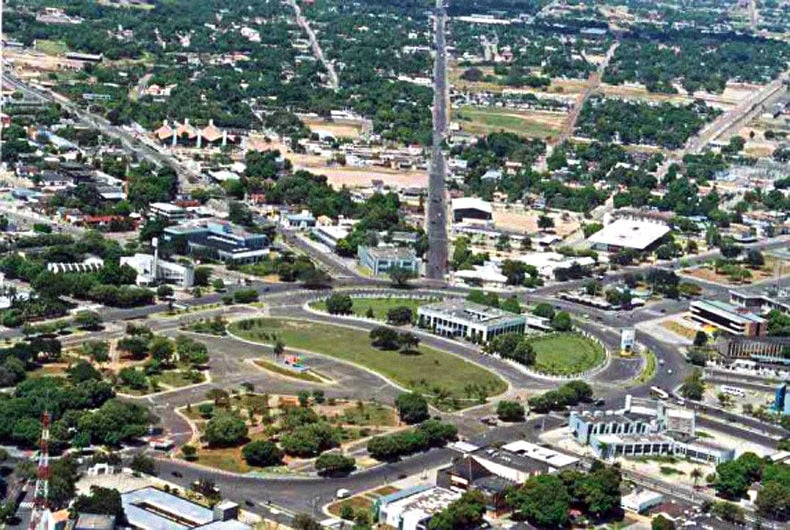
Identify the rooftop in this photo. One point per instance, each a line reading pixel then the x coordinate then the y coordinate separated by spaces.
pixel 735 313
pixel 460 309
pixel 472 203
pixel 637 234
pixel 391 253
pixel 154 509
pixel 541 454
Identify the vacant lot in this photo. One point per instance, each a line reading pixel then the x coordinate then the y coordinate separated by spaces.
pixel 536 124
pixel 380 306
pixel 431 371
pixel 566 353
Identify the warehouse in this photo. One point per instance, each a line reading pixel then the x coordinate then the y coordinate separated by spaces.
pixel 636 234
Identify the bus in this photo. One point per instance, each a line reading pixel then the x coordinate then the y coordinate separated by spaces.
pixel 733 391
pixel 656 392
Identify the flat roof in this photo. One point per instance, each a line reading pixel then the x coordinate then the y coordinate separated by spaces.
pixel 166 207
pixel 391 253
pixel 540 453
pixel 730 311
pixel 637 234
pixel 464 310
pixel 153 509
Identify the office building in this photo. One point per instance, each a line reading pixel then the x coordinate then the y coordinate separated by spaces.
pixel 728 318
pixel 379 260
pixel 151 270
pixel 760 303
pixel 759 349
pixel 165 210
pixel 330 235
pixel 476 322
pixel 151 509
pixel 218 240
pixel 94 521
pixel 638 431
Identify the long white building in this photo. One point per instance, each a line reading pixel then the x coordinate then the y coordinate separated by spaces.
pixel 460 318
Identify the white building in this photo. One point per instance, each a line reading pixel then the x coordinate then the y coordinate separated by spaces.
pixel 488 275
pixel 411 509
pixel 549 262
pixel 637 234
pixel 330 235
pixel 459 318
pixel 150 269
pixel 641 501
pixel 166 210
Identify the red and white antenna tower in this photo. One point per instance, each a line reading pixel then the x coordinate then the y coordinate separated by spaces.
pixel 39 518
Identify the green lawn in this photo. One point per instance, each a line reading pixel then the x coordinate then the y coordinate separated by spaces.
pixel 566 353
pixel 431 372
pixel 51 47
pixel 380 306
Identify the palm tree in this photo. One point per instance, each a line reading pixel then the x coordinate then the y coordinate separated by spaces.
pixel 696 474
pixel 279 348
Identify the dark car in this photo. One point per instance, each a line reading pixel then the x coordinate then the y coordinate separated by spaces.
pixel 177 474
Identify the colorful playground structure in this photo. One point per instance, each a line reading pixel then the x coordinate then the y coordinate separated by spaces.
pixel 294 362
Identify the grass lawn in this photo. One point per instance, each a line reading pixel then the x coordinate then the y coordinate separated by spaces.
pixel 177 379
pixel 566 353
pixel 380 306
pixel 430 372
pixel 478 120
pixel 366 415
pixel 282 370
pixel 51 47
pixel 228 458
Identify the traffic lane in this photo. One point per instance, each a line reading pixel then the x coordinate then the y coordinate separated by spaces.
pixel 300 495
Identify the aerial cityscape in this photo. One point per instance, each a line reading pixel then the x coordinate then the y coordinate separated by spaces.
pixel 395 264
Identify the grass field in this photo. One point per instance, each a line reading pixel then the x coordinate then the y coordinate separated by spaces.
pixel 566 353
pixel 431 372
pixel 380 306
pixel 479 120
pixel 51 47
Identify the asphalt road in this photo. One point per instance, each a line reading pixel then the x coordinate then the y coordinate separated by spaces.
pixel 436 217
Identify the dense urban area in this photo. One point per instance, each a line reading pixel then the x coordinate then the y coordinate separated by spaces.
pixel 395 264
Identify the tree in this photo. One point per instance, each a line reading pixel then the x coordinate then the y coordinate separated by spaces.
pixel 543 500
pixel 511 304
pixel 262 453
pixel 700 338
pixel 304 522
pixel 106 501
pixel 400 276
pixel 339 304
pixel 408 342
pixel 202 276
pixel 164 292
pixel 773 500
pixel 504 345
pixel 218 285
pixel 400 315
pixel 189 452
pixel 225 430
pixel 161 349
pixel 693 387
pixel 98 350
pixel 662 523
pixel 544 310
pixel 510 411
pixel 143 464
pixel 412 408
pixel 545 222
pixel 333 464
pixel 465 513
pixel 384 338
pixel 755 259
pixel 90 320
pixel 696 474
pixel 115 422
pixel 562 321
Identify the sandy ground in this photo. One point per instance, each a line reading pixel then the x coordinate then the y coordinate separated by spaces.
pixel 527 221
pixel 336 129
pixel 733 94
pixel 351 177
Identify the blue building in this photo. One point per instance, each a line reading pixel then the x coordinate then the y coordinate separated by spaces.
pixel 223 241
pixel 782 400
pixel 381 259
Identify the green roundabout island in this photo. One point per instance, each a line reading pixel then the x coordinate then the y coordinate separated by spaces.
pixel 444 376
pixel 565 354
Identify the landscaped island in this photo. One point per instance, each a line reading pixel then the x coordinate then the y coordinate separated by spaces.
pixel 426 370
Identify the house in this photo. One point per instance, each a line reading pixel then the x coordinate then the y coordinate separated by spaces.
pixel 380 260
